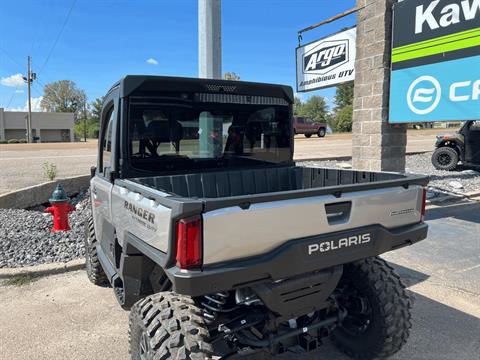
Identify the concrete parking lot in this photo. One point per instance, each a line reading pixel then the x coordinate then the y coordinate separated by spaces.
pixel 21 164
pixel 65 317
pixel 340 145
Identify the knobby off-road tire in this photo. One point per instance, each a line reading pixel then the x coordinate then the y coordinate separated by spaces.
pixel 390 319
pixel 94 269
pixel 168 326
pixel 445 158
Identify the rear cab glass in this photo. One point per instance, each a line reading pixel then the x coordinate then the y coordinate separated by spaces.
pixel 192 130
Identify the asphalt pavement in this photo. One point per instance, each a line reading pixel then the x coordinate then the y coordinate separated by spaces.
pixel 65 317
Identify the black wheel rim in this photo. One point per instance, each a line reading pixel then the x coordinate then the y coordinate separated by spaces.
pixel 444 159
pixel 144 346
pixel 359 310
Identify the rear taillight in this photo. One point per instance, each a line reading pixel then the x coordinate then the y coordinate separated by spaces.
pixel 424 203
pixel 189 243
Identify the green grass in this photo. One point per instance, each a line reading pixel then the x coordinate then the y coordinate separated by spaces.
pixel 20 280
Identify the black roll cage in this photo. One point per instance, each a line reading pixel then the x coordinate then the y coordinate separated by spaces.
pixel 143 86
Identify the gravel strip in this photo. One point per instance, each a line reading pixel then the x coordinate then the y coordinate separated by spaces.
pixel 457 182
pixel 25 237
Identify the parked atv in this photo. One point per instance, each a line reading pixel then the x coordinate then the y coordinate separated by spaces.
pixel 462 146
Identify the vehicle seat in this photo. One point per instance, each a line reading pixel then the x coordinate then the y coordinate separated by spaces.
pixel 164 132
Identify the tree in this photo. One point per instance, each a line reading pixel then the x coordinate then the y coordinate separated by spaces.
pixel 315 108
pixel 343 107
pixel 93 124
pixel 96 108
pixel 344 95
pixel 330 119
pixel 79 129
pixel 343 119
pixel 297 106
pixel 93 128
pixel 64 96
pixel 231 76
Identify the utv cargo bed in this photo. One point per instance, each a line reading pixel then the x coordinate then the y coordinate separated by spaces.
pixel 220 189
pixel 264 203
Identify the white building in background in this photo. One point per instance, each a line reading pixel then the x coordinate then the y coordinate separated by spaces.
pixel 47 126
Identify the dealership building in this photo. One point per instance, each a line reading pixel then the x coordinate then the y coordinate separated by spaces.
pixel 46 126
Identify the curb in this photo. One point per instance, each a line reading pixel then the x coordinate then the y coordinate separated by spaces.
pixel 330 158
pixel 447 200
pixel 417 152
pixel 472 194
pixel 40 193
pixel 346 158
pixel 43 269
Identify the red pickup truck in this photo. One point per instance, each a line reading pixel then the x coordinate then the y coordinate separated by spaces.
pixel 306 126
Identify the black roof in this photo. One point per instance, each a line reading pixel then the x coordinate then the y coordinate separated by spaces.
pixel 150 83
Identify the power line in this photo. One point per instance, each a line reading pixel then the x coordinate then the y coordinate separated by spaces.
pixel 40 83
pixel 58 36
pixel 14 69
pixel 37 90
pixel 11 99
pixel 10 57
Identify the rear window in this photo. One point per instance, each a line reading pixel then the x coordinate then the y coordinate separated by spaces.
pixel 178 134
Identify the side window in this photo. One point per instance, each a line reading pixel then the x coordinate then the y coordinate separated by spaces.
pixel 475 126
pixel 107 141
pixel 300 120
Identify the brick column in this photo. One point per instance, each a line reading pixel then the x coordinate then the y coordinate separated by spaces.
pixel 376 144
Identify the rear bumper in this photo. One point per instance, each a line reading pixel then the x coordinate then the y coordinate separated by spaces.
pixel 296 257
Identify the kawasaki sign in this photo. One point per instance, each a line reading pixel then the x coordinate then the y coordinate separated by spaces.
pixel 326 62
pixel 435 61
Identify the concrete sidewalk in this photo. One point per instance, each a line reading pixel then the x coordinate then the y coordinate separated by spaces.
pixel 61 317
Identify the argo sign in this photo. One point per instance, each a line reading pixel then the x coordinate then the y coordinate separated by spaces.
pixel 435 61
pixel 326 57
pixel 326 62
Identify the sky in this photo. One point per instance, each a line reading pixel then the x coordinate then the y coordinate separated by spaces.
pixel 101 41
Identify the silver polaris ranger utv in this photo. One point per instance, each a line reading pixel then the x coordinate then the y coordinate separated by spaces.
pixel 220 245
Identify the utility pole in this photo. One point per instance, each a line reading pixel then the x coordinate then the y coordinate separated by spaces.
pixel 210 67
pixel 28 79
pixel 210 39
pixel 85 120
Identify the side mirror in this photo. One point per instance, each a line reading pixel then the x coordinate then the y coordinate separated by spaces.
pixel 93 171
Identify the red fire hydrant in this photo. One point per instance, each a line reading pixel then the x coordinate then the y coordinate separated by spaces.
pixel 60 209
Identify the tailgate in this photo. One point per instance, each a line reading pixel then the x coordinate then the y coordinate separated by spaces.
pixel 235 232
